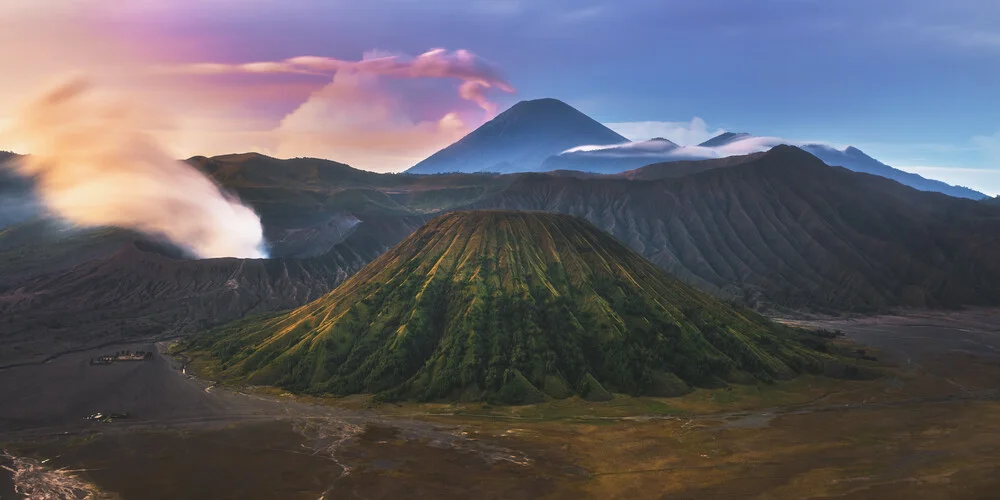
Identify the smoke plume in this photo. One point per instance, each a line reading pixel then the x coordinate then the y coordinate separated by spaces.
pixel 94 166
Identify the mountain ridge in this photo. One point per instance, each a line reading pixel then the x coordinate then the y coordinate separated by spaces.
pixel 785 229
pixel 856 160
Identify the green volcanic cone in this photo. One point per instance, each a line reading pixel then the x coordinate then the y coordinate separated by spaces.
pixel 513 307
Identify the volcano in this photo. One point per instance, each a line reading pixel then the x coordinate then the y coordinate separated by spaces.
pixel 520 139
pixel 514 307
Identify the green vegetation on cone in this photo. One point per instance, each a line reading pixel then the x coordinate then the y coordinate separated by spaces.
pixel 511 307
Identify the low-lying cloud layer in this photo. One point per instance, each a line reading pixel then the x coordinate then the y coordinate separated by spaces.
pixel 94 166
pixel 670 151
pixel 695 131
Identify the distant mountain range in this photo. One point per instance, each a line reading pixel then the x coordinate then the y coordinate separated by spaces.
pixel 854 159
pixel 510 307
pixel 547 135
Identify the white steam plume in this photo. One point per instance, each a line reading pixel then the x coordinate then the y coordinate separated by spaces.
pixel 94 166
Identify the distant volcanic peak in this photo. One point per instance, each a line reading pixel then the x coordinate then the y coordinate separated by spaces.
pixel 537 109
pixel 544 103
pixel 514 307
pixel 853 151
pixel 520 139
pixel 545 106
pixel 724 139
pixel 548 112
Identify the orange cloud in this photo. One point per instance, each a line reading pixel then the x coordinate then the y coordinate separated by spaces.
pixel 476 73
pixel 356 120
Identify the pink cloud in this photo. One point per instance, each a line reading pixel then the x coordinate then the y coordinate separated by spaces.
pixel 475 91
pixel 356 120
pixel 360 117
pixel 476 73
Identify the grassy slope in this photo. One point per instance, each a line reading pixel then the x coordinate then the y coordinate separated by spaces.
pixel 510 306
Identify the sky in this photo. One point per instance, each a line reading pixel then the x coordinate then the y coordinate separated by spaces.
pixel 381 84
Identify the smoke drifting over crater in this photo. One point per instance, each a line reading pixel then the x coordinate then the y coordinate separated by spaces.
pixel 95 166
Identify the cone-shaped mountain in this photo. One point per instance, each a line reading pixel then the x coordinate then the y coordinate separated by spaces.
pixel 512 307
pixel 520 139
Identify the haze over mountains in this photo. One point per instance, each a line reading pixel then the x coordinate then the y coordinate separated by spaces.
pixel 547 134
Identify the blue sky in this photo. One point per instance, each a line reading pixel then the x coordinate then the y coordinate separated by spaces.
pixel 915 83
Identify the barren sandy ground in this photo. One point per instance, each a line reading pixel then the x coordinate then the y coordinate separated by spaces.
pixel 57 395
pixel 928 429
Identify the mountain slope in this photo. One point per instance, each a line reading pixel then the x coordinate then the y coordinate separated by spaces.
pixel 724 139
pixel 785 230
pixel 854 159
pixel 509 306
pixel 519 140
pixel 141 291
